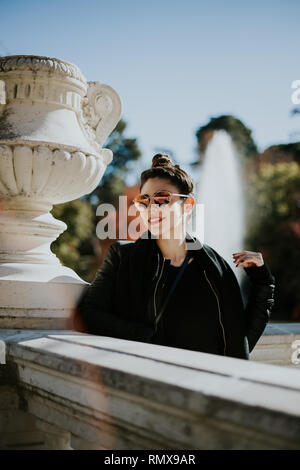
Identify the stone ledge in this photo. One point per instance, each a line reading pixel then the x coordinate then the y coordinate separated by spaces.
pixel 137 395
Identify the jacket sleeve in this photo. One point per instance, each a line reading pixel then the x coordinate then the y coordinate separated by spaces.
pixel 94 310
pixel 260 302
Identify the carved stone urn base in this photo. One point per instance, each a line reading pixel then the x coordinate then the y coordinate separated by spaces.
pixel 36 291
pixel 56 289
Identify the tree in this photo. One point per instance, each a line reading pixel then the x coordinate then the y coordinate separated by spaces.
pixel 273 227
pixel 79 216
pixel 282 152
pixel 113 183
pixel 239 133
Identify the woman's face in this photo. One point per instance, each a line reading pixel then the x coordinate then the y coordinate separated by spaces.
pixel 170 219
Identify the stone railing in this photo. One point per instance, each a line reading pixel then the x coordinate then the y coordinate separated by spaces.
pixel 67 390
pixel 279 345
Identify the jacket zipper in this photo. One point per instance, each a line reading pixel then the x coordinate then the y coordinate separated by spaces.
pixel 219 312
pixel 156 287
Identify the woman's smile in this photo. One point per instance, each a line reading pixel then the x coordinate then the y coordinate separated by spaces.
pixel 154 220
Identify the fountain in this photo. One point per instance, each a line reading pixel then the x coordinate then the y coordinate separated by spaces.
pixel 220 189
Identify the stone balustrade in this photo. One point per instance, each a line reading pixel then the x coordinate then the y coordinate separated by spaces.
pixel 279 345
pixel 67 390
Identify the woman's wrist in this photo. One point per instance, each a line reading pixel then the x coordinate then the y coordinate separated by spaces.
pixel 260 274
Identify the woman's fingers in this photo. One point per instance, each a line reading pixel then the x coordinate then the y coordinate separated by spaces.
pixel 244 252
pixel 248 258
pixel 241 259
pixel 239 253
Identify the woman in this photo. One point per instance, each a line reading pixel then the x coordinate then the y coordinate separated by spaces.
pixel 205 311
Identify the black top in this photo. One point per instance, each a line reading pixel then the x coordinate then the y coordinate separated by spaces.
pixel 191 317
pixel 114 304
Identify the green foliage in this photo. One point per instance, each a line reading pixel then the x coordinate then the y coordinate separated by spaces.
pixel 273 227
pixel 110 190
pixel 239 133
pixel 125 152
pixel 79 217
pixel 292 149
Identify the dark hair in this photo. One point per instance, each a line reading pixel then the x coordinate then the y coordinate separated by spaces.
pixel 162 167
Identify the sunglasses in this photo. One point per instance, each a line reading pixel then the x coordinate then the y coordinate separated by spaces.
pixel 160 198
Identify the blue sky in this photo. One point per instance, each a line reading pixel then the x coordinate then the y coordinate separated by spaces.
pixel 174 63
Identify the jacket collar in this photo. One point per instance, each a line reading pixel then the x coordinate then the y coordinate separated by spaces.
pixel 205 254
pixel 193 243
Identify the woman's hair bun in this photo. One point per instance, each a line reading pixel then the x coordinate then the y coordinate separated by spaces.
pixel 163 167
pixel 161 159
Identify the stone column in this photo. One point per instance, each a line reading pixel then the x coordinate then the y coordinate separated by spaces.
pixel 53 124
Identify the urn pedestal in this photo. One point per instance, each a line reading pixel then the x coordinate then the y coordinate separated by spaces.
pixel 53 124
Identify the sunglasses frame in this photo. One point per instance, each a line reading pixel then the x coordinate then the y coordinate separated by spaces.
pixel 160 191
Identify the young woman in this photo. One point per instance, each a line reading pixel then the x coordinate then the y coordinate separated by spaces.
pixel 205 311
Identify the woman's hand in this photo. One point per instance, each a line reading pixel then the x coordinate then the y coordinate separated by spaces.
pixel 248 259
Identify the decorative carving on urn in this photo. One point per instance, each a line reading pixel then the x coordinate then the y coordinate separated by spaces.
pixel 98 116
pixel 53 124
pixel 46 176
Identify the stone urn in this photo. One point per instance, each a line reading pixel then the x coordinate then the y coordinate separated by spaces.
pixel 53 124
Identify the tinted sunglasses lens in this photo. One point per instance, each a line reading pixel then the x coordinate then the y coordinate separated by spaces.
pixel 141 202
pixel 162 198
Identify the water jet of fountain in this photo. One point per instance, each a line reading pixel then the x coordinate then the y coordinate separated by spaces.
pixel 220 189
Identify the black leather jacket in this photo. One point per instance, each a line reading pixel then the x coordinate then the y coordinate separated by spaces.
pixel 114 304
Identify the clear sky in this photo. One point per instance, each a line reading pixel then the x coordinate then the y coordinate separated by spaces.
pixel 174 63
